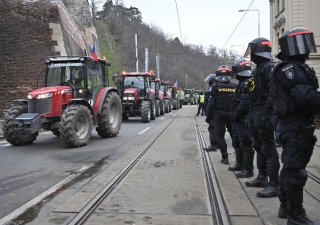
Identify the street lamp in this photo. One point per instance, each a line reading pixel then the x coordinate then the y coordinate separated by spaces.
pixel 239 45
pixel 257 10
pixel 186 80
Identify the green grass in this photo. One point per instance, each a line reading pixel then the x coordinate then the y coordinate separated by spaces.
pixel 107 47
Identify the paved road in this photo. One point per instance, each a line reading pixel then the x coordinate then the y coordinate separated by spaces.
pixel 27 171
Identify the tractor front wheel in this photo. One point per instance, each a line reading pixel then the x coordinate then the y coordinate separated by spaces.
pixel 75 126
pixel 146 111
pixel 10 134
pixel 110 117
pixel 166 105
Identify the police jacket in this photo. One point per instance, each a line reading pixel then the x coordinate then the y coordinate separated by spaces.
pixel 240 107
pixel 221 96
pixel 259 86
pixel 294 90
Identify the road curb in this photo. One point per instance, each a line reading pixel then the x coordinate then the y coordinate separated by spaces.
pixel 37 200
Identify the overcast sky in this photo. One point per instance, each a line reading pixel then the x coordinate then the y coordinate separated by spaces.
pixel 207 22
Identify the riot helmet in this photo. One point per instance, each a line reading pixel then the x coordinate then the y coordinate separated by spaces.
pixel 210 78
pixel 242 69
pixel 223 74
pixel 223 71
pixel 259 47
pixel 296 41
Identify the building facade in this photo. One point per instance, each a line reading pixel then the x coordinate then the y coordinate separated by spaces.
pixel 285 14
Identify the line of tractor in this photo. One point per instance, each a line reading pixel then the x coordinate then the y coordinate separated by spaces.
pixel 76 97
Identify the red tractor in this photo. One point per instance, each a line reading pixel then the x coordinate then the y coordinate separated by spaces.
pixel 167 97
pixel 138 98
pixel 175 100
pixel 75 97
pixel 155 85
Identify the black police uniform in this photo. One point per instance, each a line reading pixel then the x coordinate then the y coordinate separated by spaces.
pixel 260 120
pixel 220 105
pixel 296 99
pixel 241 135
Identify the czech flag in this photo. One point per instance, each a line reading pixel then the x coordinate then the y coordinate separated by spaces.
pixel 93 53
pixel 176 84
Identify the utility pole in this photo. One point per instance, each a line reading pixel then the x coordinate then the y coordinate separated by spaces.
pixel 136 44
pixel 186 80
pixel 146 61
pixel 158 65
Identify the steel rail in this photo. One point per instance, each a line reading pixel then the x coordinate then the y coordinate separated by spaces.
pixel 82 216
pixel 219 213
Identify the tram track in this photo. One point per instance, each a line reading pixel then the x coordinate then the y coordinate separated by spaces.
pixel 84 214
pixel 219 212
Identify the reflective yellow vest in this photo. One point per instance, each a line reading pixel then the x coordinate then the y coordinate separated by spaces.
pixel 201 98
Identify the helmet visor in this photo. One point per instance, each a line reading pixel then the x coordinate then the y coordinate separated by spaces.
pixel 245 73
pixel 299 44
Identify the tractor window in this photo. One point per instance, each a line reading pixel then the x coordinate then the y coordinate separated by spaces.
pixel 153 85
pixel 131 81
pixel 65 73
pixel 162 87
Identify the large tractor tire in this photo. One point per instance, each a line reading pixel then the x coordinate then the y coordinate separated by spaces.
pixel 125 116
pixel 157 107
pixel 75 126
pixel 162 109
pixel 175 104
pixel 170 105
pixel 146 111
pixel 166 105
pixel 56 132
pixel 110 117
pixel 153 110
pixel 12 136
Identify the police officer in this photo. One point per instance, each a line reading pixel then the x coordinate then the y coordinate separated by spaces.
pixel 210 119
pixel 220 104
pixel 200 102
pixel 260 118
pixel 296 100
pixel 241 136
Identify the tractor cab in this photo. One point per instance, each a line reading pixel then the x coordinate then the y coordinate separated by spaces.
pixel 84 75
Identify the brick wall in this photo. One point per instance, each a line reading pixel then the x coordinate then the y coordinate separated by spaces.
pixel 25 40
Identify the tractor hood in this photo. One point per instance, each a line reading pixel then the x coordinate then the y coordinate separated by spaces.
pixel 46 90
pixel 130 91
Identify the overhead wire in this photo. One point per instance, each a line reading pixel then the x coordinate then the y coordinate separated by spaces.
pixel 237 25
pixel 178 19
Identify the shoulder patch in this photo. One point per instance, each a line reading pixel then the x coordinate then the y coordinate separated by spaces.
pixel 288 70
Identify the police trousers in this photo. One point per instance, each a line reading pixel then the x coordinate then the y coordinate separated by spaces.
pixel 222 120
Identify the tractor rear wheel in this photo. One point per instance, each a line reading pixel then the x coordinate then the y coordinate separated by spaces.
pixel 110 118
pixel 175 104
pixel 75 126
pixel 170 105
pixel 162 107
pixel 157 107
pixel 9 133
pixel 166 105
pixel 146 111
pixel 153 110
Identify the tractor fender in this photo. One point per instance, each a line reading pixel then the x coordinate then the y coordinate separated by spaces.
pixel 81 101
pixel 101 96
pixel 20 101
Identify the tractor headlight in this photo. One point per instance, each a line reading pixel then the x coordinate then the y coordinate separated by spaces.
pixel 42 96
pixel 130 98
pixel 30 97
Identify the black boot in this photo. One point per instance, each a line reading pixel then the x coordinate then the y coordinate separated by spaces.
pixel 296 213
pixel 247 171
pixel 239 160
pixel 244 174
pixel 224 159
pixel 272 190
pixel 268 192
pixel 283 210
pixel 210 148
pixel 260 181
